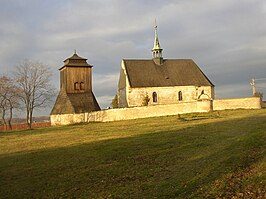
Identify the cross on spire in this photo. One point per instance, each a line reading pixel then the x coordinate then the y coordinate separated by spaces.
pixel 156 50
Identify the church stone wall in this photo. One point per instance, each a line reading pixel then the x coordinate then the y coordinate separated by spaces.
pixel 237 103
pixel 168 95
pixel 158 110
pixel 148 111
pixel 132 113
pixel 66 119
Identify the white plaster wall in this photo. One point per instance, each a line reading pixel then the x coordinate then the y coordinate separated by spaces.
pixel 158 110
pixel 132 113
pixel 237 103
pixel 66 119
pixel 149 111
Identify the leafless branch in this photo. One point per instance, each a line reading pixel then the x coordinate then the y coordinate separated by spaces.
pixel 33 80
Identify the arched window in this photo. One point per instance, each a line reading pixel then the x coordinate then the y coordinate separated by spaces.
pixel 154 97
pixel 76 86
pixel 82 86
pixel 180 97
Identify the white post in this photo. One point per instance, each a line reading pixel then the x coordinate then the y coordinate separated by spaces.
pixel 253 84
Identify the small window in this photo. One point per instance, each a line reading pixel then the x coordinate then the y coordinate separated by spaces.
pixel 154 97
pixel 180 97
pixel 76 86
pixel 82 86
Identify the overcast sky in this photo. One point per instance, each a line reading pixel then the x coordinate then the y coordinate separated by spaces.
pixel 226 38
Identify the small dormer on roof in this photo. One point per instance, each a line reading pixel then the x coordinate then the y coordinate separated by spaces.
pixel 157 55
pixel 76 61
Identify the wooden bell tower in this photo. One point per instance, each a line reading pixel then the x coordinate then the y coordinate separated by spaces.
pixel 75 94
pixel 75 75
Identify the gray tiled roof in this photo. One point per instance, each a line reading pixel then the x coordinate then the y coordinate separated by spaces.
pixel 173 72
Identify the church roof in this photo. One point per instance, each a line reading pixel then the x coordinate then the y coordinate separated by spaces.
pixel 172 72
pixel 76 61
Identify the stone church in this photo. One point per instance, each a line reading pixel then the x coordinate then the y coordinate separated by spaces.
pixel 75 94
pixel 161 81
pixel 162 86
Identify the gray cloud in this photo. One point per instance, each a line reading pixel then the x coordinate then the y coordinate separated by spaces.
pixel 225 38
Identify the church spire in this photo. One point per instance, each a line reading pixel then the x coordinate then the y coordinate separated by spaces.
pixel 157 50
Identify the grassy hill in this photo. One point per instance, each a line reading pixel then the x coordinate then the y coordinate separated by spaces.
pixel 210 155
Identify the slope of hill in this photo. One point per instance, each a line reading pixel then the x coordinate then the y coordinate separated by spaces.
pixel 215 155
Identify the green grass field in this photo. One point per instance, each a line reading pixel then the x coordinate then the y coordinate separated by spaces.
pixel 210 155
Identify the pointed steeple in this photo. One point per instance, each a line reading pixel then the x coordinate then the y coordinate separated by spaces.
pixel 157 50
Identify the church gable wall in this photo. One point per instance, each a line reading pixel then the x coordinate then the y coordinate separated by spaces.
pixel 122 79
pixel 122 101
pixel 122 84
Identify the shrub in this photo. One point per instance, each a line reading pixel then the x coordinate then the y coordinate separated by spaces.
pixel 115 102
pixel 145 100
pixel 258 94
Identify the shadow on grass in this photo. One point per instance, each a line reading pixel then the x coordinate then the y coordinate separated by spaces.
pixel 166 164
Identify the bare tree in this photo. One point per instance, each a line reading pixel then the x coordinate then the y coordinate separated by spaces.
pixel 34 81
pixel 8 99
